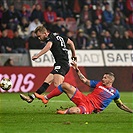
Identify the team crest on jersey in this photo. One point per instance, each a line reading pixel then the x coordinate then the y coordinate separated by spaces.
pixel 112 90
pixel 48 39
pixel 55 34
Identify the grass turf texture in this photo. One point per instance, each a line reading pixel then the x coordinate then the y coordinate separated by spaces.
pixel 17 116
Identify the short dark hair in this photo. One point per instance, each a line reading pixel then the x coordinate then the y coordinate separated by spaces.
pixel 111 74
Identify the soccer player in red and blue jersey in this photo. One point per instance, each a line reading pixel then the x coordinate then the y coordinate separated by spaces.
pixel 96 101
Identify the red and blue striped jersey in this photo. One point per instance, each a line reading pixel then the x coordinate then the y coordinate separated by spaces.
pixel 101 96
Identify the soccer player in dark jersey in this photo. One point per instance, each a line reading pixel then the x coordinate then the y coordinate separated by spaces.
pixel 96 101
pixel 57 44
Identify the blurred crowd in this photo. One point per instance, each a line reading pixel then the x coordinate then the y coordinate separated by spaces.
pixel 91 24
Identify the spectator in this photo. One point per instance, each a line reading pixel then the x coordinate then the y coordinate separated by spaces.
pixel 18 43
pixel 37 13
pixel 95 2
pixel 107 40
pixel 111 46
pixel 117 26
pixel 9 62
pixel 130 47
pixel 129 5
pixel 126 41
pixel 103 46
pixel 94 44
pixel 76 6
pixel 59 27
pixel 117 40
pixel 81 40
pixel 97 14
pixel 104 2
pixel 50 17
pixel 86 14
pixel 98 27
pixel 11 17
pixel 1 12
pixel 63 9
pixel 3 26
pixel 130 20
pixel 107 16
pixel 118 15
pixel 72 37
pixel 18 4
pixel 53 3
pixel 87 27
pixel 34 42
pixel 4 3
pixel 121 4
pixel 25 12
pixel 32 26
pixel 6 45
pixel 89 3
pixel 23 28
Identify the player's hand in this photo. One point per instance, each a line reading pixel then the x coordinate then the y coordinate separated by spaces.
pixel 74 64
pixel 74 58
pixel 34 57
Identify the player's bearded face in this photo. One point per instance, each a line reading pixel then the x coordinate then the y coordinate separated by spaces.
pixel 105 79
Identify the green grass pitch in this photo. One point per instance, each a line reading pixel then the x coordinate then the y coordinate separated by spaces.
pixel 17 116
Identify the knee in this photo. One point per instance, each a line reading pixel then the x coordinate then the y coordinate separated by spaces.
pixel 64 85
pixel 56 84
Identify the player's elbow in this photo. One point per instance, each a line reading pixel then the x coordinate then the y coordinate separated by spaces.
pixel 69 42
pixel 74 110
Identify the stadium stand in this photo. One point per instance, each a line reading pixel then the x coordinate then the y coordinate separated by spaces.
pixel 107 15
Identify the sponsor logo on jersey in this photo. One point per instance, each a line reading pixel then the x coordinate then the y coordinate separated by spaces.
pixel 105 89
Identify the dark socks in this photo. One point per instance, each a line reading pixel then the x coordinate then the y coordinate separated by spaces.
pixel 43 88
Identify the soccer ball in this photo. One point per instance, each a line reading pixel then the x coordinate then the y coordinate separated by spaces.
pixel 5 84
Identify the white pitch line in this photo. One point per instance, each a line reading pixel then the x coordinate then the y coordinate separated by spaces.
pixel 38 100
pixel 52 101
pixel 60 101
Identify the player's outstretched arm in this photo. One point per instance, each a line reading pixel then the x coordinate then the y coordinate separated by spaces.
pixel 80 75
pixel 43 51
pixel 123 106
pixel 72 47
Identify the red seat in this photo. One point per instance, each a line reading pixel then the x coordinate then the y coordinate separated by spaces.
pixel 71 24
pixel 10 33
pixel 70 19
pixel 60 19
pixel 130 33
pixel 27 6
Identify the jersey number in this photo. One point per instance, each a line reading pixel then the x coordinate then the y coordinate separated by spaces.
pixel 61 42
